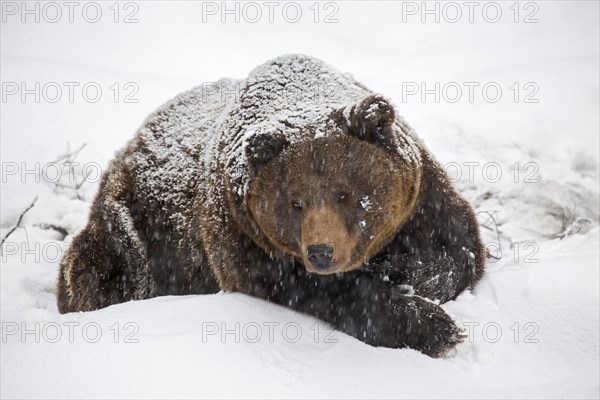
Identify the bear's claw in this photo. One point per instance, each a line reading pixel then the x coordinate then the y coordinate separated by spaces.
pixel 433 332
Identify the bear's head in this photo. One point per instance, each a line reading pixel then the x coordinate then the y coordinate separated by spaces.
pixel 333 201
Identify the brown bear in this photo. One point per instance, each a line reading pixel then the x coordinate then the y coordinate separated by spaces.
pixel 297 185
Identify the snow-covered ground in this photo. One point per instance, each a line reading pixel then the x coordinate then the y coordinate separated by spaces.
pixel 533 322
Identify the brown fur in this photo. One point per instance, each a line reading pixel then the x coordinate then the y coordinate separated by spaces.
pixel 325 225
pixel 169 219
pixel 332 168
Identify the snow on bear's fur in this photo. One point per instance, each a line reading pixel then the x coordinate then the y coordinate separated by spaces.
pixel 297 185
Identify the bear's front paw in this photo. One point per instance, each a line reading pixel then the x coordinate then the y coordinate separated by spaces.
pixel 441 334
pixel 426 327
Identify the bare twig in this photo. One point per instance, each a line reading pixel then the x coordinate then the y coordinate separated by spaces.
pixel 571 223
pixel 75 187
pixel 18 224
pixel 69 156
pixel 53 227
pixel 67 160
pixel 490 222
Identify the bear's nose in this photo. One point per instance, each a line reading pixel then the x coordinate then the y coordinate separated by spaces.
pixel 319 255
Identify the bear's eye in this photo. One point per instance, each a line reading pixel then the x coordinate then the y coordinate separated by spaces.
pixel 342 196
pixel 296 205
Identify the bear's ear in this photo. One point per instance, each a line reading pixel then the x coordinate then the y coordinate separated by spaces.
pixel 263 147
pixel 370 119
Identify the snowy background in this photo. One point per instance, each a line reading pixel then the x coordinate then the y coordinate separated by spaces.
pixel 526 157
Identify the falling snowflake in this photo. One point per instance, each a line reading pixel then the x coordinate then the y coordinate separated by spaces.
pixel 365 202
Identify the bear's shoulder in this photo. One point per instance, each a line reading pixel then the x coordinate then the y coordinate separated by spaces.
pixel 173 151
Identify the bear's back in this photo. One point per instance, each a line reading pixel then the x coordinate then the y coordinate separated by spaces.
pixel 173 152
